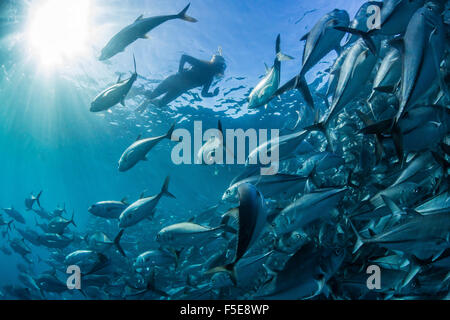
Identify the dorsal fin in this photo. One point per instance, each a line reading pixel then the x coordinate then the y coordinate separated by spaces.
pixel 304 37
pixel 139 18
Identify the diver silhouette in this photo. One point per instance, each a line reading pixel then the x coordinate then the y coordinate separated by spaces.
pixel 200 74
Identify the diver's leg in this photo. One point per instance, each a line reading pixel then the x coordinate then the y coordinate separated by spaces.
pixel 169 97
pixel 162 88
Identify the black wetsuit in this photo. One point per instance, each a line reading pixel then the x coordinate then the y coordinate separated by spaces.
pixel 201 74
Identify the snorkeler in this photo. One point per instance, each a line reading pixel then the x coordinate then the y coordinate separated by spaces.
pixel 201 74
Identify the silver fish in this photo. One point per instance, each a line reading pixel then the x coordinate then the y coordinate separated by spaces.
pixel 138 30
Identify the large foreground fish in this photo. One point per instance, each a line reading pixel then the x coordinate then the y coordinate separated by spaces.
pixel 264 90
pixel 306 209
pixel 138 30
pixel 277 185
pixel 115 94
pixel 394 16
pixel 143 208
pixel 354 74
pixel 423 236
pixel 423 49
pixel 108 209
pixel 252 217
pixel 388 74
pixel 322 39
pixel 139 149
pixel 188 234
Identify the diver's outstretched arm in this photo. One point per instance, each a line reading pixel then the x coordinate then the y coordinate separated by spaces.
pixel 191 60
pixel 206 93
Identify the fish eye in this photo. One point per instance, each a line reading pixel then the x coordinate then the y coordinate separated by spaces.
pixel 337 251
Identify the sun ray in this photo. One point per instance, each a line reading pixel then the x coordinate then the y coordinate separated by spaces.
pixel 58 30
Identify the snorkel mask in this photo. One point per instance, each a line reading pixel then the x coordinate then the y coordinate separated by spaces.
pixel 219 61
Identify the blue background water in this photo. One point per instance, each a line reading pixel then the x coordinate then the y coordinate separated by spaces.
pixel 50 141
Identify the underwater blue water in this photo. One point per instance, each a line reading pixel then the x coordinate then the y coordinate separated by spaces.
pixel 50 141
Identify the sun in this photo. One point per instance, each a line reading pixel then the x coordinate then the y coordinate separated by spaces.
pixel 58 30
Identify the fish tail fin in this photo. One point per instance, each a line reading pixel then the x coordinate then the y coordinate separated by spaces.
pixel 322 127
pixel 302 86
pixel 38 199
pixel 165 188
pixel 280 55
pixel 350 182
pixel 229 269
pixel 220 128
pixel 359 241
pixel 183 16
pixel 71 219
pixel 117 242
pixel 170 132
pixel 366 36
pixel 277 44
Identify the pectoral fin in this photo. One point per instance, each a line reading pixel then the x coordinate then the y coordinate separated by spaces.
pixel 284 57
